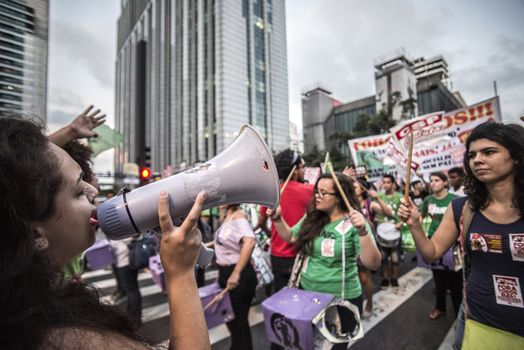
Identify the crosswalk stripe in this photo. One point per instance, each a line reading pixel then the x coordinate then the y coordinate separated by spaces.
pixel 385 301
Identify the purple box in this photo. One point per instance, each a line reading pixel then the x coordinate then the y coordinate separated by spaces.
pixel 99 255
pixel 447 262
pixel 157 271
pixel 288 317
pixel 219 313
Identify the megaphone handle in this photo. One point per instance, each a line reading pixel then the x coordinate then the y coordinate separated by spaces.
pixel 205 256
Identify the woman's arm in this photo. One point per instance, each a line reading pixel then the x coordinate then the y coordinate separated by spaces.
pixel 446 234
pixel 284 231
pixel 80 127
pixel 248 244
pixel 179 249
pixel 369 253
pixel 378 206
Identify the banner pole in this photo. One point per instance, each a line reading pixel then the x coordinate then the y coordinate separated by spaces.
pixel 407 185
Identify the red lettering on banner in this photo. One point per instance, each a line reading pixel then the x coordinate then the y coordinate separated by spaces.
pixel 418 125
pixel 472 114
pixel 489 111
pixel 461 117
pixel 369 143
pixel 480 109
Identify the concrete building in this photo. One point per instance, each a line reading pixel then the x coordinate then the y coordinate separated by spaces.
pixel 23 56
pixel 423 86
pixel 395 82
pixel 190 73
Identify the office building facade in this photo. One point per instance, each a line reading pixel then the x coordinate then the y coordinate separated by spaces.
pixel 23 56
pixel 396 77
pixel 190 73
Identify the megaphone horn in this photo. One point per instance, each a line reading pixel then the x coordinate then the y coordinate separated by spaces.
pixel 243 173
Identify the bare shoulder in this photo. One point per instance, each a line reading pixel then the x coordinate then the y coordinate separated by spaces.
pixel 239 214
pixel 83 338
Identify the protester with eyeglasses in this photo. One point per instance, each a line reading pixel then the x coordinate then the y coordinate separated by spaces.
pixel 321 235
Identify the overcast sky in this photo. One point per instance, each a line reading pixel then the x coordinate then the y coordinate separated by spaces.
pixel 331 41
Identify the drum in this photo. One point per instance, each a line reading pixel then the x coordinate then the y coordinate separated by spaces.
pixel 387 235
pixel 299 319
pixel 99 255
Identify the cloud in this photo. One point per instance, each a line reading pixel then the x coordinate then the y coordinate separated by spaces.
pixel 336 42
pixel 65 98
pixel 86 48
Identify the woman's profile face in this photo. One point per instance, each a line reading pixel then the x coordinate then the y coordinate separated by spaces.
pixel 70 230
pixel 489 161
pixel 325 197
pixel 358 188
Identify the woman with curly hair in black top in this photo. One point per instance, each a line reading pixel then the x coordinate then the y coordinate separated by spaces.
pixel 494 242
pixel 46 219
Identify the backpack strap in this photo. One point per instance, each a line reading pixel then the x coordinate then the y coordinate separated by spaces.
pixel 465 223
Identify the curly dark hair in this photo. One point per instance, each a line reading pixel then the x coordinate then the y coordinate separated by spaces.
pixel 285 160
pixel 510 137
pixel 34 300
pixel 316 220
pixel 82 155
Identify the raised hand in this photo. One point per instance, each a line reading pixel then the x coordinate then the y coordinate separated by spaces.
pixel 359 221
pixel 84 123
pixel 179 246
pixel 274 214
pixel 350 171
pixel 408 212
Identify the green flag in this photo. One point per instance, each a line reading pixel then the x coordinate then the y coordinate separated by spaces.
pixel 325 166
pixel 107 138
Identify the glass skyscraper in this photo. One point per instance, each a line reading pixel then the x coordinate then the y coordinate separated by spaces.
pixel 190 73
pixel 23 55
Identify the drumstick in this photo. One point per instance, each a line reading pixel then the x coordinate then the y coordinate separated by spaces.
pixel 408 169
pixel 217 298
pixel 288 178
pixel 330 166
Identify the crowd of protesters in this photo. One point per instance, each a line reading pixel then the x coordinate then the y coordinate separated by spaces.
pixel 329 236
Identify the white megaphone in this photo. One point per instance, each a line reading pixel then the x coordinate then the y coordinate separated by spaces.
pixel 243 173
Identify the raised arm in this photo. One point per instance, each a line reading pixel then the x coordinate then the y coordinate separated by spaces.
pixel 446 234
pixel 378 205
pixel 82 126
pixel 284 231
pixel 369 253
pixel 179 249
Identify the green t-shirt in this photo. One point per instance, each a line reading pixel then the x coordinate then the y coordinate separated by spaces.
pixel 393 201
pixel 323 270
pixel 435 208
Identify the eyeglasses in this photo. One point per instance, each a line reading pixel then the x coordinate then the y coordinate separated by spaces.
pixel 321 194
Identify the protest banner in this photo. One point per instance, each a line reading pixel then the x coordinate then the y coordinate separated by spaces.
pixel 439 137
pixel 311 174
pixel 439 140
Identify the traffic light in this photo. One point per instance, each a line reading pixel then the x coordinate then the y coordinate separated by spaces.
pixel 145 174
pixel 147 157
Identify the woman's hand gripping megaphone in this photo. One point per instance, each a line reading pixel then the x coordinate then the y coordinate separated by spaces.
pixel 179 246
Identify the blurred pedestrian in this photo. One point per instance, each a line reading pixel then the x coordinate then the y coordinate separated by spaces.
pixel 234 242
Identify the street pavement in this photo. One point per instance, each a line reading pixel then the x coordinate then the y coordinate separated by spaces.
pixel 399 319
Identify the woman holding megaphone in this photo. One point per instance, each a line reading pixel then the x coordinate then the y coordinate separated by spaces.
pixel 48 218
pixel 331 235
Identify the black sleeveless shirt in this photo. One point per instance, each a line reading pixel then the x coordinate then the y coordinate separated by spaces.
pixel 495 283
